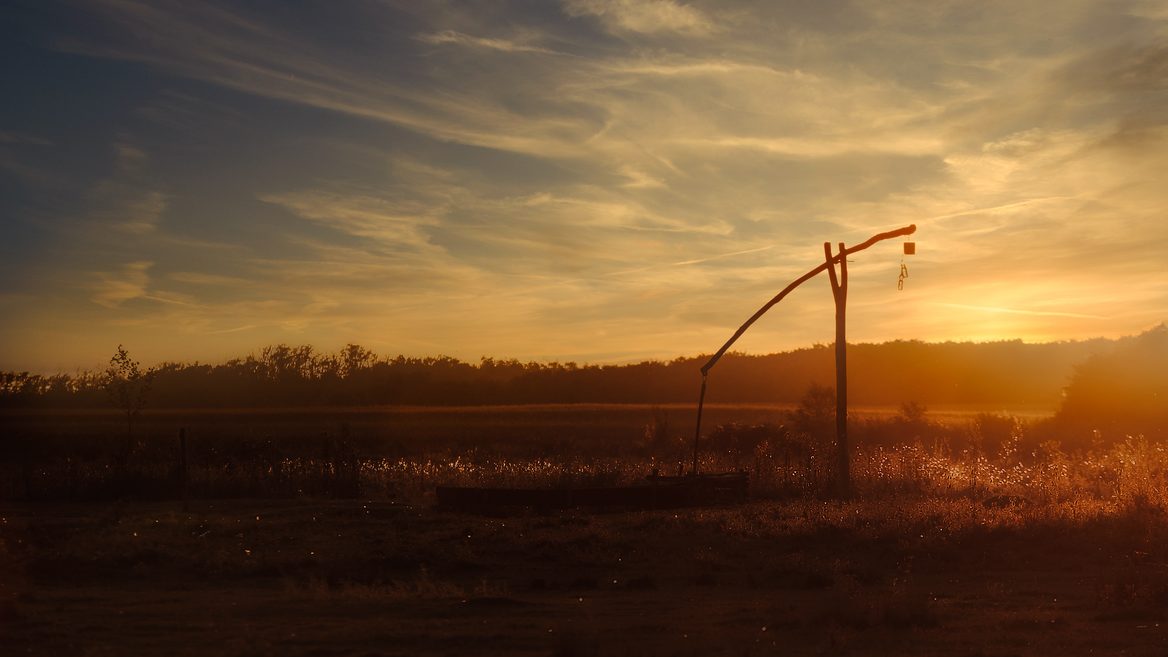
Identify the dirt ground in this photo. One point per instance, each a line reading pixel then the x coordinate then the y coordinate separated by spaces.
pixel 307 577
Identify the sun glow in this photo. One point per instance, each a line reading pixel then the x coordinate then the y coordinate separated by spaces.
pixel 602 181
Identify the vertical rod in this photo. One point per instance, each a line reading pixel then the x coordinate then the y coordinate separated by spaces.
pixel 841 376
pixel 698 430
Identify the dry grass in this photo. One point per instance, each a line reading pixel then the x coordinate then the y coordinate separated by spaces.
pixel 983 457
pixel 318 536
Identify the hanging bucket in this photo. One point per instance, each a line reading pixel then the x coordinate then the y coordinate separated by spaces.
pixel 910 248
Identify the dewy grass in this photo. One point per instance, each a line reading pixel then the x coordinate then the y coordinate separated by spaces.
pixel 990 458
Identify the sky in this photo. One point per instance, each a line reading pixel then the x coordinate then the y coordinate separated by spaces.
pixel 598 181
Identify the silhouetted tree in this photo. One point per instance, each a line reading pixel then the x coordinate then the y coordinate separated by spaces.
pixel 815 415
pixel 354 358
pixel 127 384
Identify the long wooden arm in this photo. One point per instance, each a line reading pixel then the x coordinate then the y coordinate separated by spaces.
pixel 907 230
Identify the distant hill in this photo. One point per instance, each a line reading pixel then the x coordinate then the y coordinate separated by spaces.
pixel 1008 373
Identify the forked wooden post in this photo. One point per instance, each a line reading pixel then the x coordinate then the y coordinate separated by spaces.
pixel 839 291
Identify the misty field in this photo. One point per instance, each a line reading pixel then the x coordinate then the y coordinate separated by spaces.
pixel 315 533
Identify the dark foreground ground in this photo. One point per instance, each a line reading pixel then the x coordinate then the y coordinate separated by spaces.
pixel 903 576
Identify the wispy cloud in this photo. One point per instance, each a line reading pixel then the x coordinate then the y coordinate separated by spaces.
pixel 234 329
pixel 203 278
pixel 453 37
pixel 644 16
pixel 124 200
pixel 113 288
pixel 395 225
pixel 635 177
pixel 224 47
pixel 1022 311
pixel 7 137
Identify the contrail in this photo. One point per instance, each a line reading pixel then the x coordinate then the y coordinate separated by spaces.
pixel 177 302
pixel 722 255
pixel 697 261
pixel 1006 206
pixel 232 330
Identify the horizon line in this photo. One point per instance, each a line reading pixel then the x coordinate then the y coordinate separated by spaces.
pixel 1162 326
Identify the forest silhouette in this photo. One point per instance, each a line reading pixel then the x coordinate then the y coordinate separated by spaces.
pixel 1093 382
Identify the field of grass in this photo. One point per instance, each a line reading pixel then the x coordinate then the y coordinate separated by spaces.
pixel 401 454
pixel 308 533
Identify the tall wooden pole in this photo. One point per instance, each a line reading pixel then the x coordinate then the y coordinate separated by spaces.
pixel 839 291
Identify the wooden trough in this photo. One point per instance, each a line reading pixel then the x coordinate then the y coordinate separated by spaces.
pixel 657 492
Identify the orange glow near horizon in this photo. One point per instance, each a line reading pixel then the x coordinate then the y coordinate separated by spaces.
pixel 600 182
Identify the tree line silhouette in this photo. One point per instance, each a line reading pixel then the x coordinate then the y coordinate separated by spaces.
pixel 1096 375
pixel 1122 390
